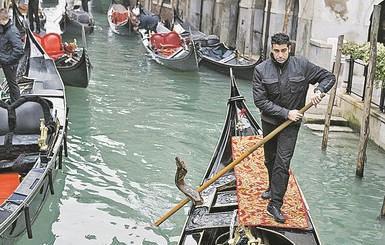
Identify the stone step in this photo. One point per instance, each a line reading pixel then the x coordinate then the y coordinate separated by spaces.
pixel 309 118
pixel 321 110
pixel 320 127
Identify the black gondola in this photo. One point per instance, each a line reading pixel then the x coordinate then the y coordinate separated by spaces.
pixel 216 55
pixel 75 71
pixel 74 19
pixel 216 221
pixel 32 140
pixel 74 65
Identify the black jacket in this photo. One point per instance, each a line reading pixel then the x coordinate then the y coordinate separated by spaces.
pixel 147 22
pixel 11 46
pixel 279 88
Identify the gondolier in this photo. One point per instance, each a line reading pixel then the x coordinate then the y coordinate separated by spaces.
pixel 280 85
pixel 147 22
pixel 11 50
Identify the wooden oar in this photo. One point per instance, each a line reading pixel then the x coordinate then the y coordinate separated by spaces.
pixel 232 164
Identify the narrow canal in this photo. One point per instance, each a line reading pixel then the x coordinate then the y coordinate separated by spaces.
pixel 135 117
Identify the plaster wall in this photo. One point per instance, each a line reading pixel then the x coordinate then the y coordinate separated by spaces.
pixel 320 53
pixel 193 12
pixel 350 18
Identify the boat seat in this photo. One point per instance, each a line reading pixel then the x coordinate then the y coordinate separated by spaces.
pixel 118 17
pixel 163 41
pixel 24 126
pixel 52 44
pixel 156 40
pixel 171 40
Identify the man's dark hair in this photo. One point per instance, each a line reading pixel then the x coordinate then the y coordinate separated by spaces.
pixel 280 38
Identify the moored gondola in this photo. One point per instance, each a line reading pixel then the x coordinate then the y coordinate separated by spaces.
pixel 74 19
pixel 217 55
pixel 118 17
pixel 170 50
pixel 232 211
pixel 167 47
pixel 72 62
pixel 32 141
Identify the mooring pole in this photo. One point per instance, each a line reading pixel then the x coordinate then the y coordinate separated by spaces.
pixel 333 91
pixel 364 134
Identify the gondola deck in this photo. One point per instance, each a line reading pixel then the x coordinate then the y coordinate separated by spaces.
pixel 252 180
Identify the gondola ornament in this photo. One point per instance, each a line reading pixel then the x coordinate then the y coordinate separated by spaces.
pixel 43 136
pixel 189 191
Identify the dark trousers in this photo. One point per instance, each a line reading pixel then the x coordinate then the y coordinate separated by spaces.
pixel 278 153
pixel 10 76
pixel 33 14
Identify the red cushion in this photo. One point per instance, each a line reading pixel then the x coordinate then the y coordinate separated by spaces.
pixel 156 40
pixel 172 39
pixel 52 45
pixel 119 17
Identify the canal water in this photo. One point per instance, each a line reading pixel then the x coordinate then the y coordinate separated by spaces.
pixel 136 116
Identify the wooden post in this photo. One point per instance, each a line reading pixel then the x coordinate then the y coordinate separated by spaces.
pixel 364 134
pixel 288 8
pixel 251 30
pixel 333 91
pixel 161 7
pixel 212 16
pixel 267 29
pixel 383 209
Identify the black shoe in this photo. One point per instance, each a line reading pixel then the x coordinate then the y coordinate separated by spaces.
pixel 276 213
pixel 266 194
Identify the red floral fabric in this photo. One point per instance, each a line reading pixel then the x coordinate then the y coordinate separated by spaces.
pixel 252 180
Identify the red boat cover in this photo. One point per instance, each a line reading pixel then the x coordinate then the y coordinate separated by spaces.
pixel 252 180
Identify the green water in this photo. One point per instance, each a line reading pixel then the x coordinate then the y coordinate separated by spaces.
pixel 135 117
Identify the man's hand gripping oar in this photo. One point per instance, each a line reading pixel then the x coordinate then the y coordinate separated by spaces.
pixel 236 161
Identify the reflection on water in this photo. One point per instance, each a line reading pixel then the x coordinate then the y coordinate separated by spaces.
pixel 135 117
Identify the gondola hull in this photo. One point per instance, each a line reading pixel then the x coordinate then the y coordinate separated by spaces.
pixel 78 74
pixel 215 55
pixel 73 21
pixel 43 93
pixel 72 63
pixel 183 59
pixel 118 19
pixel 240 71
pixel 216 221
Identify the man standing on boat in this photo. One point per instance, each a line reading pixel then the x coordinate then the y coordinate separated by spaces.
pixel 33 15
pixel 11 50
pixel 280 85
